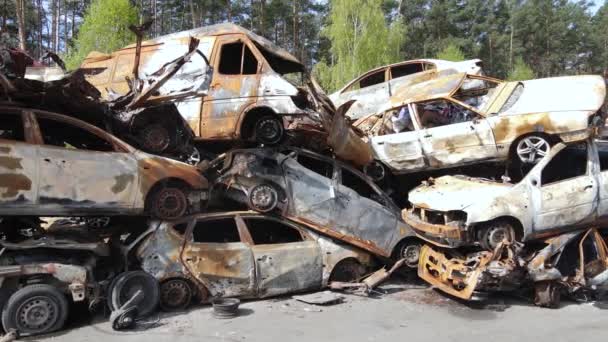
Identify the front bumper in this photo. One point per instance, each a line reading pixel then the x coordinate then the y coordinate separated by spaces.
pixel 437 234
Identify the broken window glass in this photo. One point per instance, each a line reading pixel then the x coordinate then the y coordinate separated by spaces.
pixel 476 92
pixel 266 232
pixel 230 58
pixel 442 112
pixel 319 166
pixel 222 230
pixel 360 186
pixel 66 135
pixel 11 127
pixel 569 163
pixel 406 69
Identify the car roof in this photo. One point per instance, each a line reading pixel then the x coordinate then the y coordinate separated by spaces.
pixel 438 87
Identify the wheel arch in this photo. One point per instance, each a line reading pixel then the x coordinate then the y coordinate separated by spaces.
pixel 165 182
pixel 512 220
pixel 247 120
pixel 552 138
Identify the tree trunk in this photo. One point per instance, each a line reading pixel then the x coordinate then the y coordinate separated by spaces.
pixel 65 25
pixel 193 14
pixel 229 10
pixel 20 7
pixel 40 16
pixel 295 28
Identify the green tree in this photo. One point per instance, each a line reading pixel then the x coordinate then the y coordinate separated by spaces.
pixel 521 71
pixel 451 53
pixel 104 29
pixel 360 40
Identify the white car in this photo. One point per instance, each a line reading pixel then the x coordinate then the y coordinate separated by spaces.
pixel 566 190
pixel 376 86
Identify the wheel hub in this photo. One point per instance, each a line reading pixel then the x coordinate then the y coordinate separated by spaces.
pixel 155 138
pixel 268 130
pixel 37 313
pixel 532 149
pixel 170 203
pixel 411 254
pixel 175 294
pixel 262 197
pixel 498 235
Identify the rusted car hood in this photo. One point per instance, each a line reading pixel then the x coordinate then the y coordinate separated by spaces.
pixel 571 93
pixel 455 192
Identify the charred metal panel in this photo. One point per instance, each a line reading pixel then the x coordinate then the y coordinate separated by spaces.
pixel 18 176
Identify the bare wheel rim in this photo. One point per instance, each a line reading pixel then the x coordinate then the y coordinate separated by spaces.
pixel 532 149
pixel 195 157
pixel 268 130
pixel 155 138
pixel 411 254
pixel 170 203
pixel 263 197
pixel 175 294
pixel 37 314
pixel 498 234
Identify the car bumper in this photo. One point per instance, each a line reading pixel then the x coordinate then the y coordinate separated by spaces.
pixel 437 234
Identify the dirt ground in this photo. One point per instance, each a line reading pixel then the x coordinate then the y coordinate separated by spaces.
pixel 402 312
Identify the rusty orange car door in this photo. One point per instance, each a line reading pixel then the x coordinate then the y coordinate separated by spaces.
pixel 234 86
pixel 216 255
pixel 18 165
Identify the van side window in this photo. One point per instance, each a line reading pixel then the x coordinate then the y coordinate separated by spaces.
pixel 236 59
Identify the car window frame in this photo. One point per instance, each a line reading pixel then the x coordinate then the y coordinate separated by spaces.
pixel 189 236
pixel 390 72
pixel 238 39
pixel 305 237
pixel 28 137
pixel 588 168
pixel 119 146
pixel 348 87
pixel 449 99
pixel 338 180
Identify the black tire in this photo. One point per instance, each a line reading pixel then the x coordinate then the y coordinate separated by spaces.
pixel 494 232
pixel 168 203
pixel 154 138
pixel 410 250
pixel 347 270
pixel 35 309
pixel 126 284
pixel 268 130
pixel 175 294
pixel 263 198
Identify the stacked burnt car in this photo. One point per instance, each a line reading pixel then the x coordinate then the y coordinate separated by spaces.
pixel 193 168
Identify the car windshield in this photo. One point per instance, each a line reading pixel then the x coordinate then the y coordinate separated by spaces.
pixel 476 92
pixel 513 98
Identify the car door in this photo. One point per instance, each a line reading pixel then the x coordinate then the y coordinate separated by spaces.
pixel 362 213
pixel 216 254
pixel 601 149
pixel 18 163
pixel 81 170
pixel 234 86
pixel 286 258
pixel 568 191
pixel 401 151
pixel 455 135
pixel 311 187
pixel 369 92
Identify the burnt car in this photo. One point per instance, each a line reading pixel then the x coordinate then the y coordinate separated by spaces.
pixel 41 276
pixel 565 191
pixel 574 263
pixel 54 165
pixel 321 192
pixel 238 85
pixel 375 87
pixel 241 254
pixel 458 119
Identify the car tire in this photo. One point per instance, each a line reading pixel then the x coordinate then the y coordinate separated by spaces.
pixel 126 284
pixel 410 251
pixel 154 138
pixel 494 232
pixel 347 270
pixel 169 203
pixel 268 130
pixel 263 198
pixel 175 295
pixel 530 149
pixel 35 309
pixel 547 294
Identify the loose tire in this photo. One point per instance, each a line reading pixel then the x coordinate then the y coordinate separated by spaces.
pixel 35 309
pixel 493 233
pixel 169 203
pixel 175 294
pixel 127 284
pixel 268 130
pixel 263 198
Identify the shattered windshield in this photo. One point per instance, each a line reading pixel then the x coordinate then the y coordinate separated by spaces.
pixel 515 95
pixel 476 92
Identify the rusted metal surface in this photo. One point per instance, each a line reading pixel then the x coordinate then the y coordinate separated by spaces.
pixel 321 198
pixel 49 173
pixel 242 268
pixel 563 192
pixel 455 119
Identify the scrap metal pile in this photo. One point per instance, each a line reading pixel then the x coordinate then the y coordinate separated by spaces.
pixel 208 165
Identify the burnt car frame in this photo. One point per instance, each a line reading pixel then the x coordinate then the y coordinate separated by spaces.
pixel 241 254
pixel 321 192
pixel 458 119
pixel 239 92
pixel 565 191
pixel 54 165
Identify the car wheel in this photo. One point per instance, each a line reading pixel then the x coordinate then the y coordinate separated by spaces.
pixel 35 309
pixel 263 198
pixel 268 130
pixel 126 285
pixel 375 170
pixel 532 148
pixel 547 294
pixel 154 138
pixel 169 203
pixel 175 294
pixel 494 233
pixel 97 222
pixel 348 270
pixel 410 251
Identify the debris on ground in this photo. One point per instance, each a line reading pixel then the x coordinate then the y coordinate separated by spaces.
pixel 320 298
